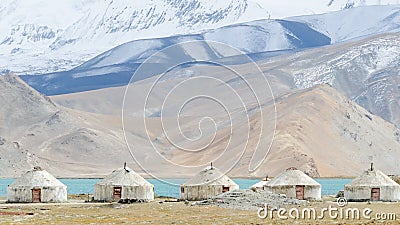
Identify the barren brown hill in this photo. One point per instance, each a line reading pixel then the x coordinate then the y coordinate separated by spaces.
pixel 35 131
pixel 325 134
pixel 319 131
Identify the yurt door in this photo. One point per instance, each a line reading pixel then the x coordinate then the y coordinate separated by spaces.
pixel 117 193
pixel 300 192
pixel 36 194
pixel 225 189
pixel 375 194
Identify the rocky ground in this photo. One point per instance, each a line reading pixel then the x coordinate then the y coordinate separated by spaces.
pixel 168 211
pixel 250 200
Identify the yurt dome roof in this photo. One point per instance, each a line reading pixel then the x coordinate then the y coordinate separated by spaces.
pixel 292 177
pixel 210 176
pixel 373 178
pixel 37 177
pixel 124 177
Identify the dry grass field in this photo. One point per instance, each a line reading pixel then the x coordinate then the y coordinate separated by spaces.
pixel 161 212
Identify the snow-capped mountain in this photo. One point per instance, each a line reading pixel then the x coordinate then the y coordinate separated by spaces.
pixel 355 23
pixel 366 71
pixel 45 36
pixel 116 66
pixel 288 8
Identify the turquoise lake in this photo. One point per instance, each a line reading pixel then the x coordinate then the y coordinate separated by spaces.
pixel 84 186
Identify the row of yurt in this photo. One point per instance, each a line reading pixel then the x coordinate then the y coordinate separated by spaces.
pixel 37 185
pixel 372 185
pixel 124 184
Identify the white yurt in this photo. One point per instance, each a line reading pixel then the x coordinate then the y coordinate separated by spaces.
pixel 37 185
pixel 295 184
pixel 260 185
pixel 372 185
pixel 208 183
pixel 123 184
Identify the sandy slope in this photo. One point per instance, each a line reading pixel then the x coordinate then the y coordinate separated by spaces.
pixel 324 133
pixel 64 141
pixel 318 130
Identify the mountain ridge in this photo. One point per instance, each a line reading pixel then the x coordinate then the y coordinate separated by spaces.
pixel 39 30
pixel 258 39
pixel 363 70
pixel 72 144
pixel 117 65
pixel 35 129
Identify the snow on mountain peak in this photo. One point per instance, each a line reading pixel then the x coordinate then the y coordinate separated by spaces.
pixel 58 35
pixel 45 36
pixel 288 8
